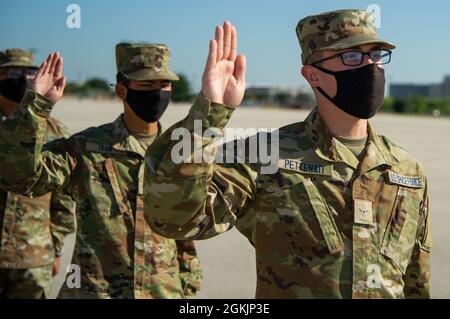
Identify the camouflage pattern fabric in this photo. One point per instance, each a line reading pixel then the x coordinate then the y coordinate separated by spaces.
pixel 337 30
pixel 33 229
pixel 17 58
pixel 31 283
pixel 32 232
pixel 144 62
pixel 190 272
pixel 324 226
pixel 118 254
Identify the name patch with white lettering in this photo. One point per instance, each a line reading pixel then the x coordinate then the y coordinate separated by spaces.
pixel 408 181
pixel 100 148
pixel 307 168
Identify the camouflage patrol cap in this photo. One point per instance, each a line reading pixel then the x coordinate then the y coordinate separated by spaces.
pixel 337 30
pixel 17 58
pixel 144 61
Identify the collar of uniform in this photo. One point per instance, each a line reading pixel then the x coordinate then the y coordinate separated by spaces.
pixel 376 153
pixel 330 149
pixel 125 141
pixel 324 144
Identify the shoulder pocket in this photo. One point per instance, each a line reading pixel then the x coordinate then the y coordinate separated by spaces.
pixel 401 231
pixel 425 241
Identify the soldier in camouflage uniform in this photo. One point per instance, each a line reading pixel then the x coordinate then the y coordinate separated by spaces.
pixel 345 215
pixel 32 230
pixel 118 254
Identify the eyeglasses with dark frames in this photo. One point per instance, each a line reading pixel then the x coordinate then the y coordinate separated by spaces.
pixel 356 57
pixel 15 73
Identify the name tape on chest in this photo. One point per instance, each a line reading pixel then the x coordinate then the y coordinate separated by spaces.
pixel 408 181
pixel 306 168
pixel 100 148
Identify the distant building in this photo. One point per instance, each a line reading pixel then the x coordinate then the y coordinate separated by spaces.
pixel 266 95
pixel 260 94
pixel 404 90
pixel 427 90
pixel 445 86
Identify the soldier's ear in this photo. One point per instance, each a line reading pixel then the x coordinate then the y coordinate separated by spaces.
pixel 121 91
pixel 310 74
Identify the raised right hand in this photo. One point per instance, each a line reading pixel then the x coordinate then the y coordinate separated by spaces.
pixel 49 81
pixel 223 80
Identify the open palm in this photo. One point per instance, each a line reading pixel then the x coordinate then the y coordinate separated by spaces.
pixel 49 81
pixel 224 76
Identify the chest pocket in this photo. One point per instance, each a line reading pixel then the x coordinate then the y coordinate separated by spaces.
pixel 303 208
pixel 107 196
pixel 401 232
pixel 119 195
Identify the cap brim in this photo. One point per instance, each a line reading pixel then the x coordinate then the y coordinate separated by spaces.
pixel 357 40
pixel 150 75
pixel 18 65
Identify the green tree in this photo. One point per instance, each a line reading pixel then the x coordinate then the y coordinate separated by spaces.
pixel 181 90
pixel 98 84
pixel 282 98
pixel 399 106
pixel 254 96
pixel 305 100
pixel 416 104
pixel 388 104
pixel 72 88
pixel 93 87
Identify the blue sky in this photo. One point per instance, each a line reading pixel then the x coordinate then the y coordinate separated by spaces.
pixel 420 29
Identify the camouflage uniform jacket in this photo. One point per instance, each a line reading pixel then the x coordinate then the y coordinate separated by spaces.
pixel 32 230
pixel 324 226
pixel 118 255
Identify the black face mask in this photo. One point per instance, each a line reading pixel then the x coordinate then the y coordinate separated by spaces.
pixel 149 106
pixel 13 89
pixel 360 92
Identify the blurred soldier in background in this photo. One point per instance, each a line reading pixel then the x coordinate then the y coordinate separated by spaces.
pixel 32 230
pixel 118 254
